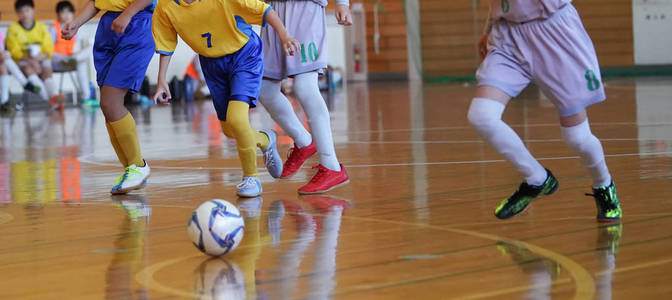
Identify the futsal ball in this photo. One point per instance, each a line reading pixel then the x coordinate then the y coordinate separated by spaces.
pixel 216 227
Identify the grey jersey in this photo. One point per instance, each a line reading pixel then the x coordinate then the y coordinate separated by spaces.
pixel 520 11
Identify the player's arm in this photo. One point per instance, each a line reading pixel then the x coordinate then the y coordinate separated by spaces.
pixel 260 13
pixel 483 41
pixel 165 38
pixel 343 15
pixel 119 24
pixel 70 30
pixel 162 94
pixel 289 44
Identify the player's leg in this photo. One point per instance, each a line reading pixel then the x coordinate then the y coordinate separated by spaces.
pixel 578 136
pixel 31 75
pixel 331 173
pixel 485 115
pixel 121 64
pixel 55 99
pixel 237 125
pixel 15 71
pixel 572 88
pixel 4 84
pixel 283 114
pixel 82 59
pixel 124 138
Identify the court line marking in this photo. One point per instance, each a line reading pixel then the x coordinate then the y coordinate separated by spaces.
pixel 565 280
pixel 583 280
pixel 438 163
pixel 584 283
pixel 594 124
pixel 146 276
pixel 373 142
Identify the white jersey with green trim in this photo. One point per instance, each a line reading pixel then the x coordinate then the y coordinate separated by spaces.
pixel 520 11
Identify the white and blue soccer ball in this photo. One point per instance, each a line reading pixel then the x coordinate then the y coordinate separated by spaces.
pixel 216 227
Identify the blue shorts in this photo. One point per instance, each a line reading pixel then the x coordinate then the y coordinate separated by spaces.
pixel 236 76
pixel 121 60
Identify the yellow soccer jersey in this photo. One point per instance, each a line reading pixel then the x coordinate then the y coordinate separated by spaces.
pixel 118 5
pixel 18 39
pixel 213 28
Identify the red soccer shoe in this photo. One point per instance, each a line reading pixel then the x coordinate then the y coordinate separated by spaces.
pixel 325 180
pixel 297 156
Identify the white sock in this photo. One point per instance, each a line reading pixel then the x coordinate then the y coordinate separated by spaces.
pixel 589 148
pixel 282 112
pixel 16 72
pixel 4 88
pixel 83 79
pixel 486 116
pixel 36 81
pixel 307 90
pixel 51 86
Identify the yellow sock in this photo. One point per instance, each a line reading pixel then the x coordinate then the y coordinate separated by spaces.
pixel 127 137
pixel 115 144
pixel 261 139
pixel 238 124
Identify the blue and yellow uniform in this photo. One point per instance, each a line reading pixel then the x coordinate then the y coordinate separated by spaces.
pixel 121 60
pixel 219 31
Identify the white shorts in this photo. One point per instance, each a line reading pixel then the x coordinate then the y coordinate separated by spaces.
pixel 556 54
pixel 305 21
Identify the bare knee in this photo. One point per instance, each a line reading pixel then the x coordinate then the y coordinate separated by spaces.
pixel 112 103
pixel 28 70
pixel 46 73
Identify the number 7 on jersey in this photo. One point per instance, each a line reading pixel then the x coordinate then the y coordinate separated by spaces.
pixel 208 37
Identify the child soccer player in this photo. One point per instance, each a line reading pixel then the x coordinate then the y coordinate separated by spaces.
pixel 68 54
pixel 545 42
pixel 8 66
pixel 306 21
pixel 121 52
pixel 231 57
pixel 31 48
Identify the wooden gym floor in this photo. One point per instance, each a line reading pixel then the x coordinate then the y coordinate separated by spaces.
pixel 414 223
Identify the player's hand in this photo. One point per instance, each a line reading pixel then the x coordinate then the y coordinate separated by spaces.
pixel 343 15
pixel 162 95
pixel 290 45
pixel 119 24
pixel 483 46
pixel 69 30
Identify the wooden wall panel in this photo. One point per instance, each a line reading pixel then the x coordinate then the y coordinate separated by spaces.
pixel 450 30
pixel 393 49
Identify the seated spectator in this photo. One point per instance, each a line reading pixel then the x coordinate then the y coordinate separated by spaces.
pixel 71 55
pixel 31 47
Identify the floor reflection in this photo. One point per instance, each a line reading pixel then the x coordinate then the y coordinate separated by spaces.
pixel 608 243
pixel 129 249
pixel 541 271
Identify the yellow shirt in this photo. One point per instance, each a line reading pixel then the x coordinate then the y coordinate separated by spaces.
pixel 118 5
pixel 213 28
pixel 19 38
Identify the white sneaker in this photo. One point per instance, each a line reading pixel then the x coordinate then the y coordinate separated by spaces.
pixel 250 187
pixel 134 178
